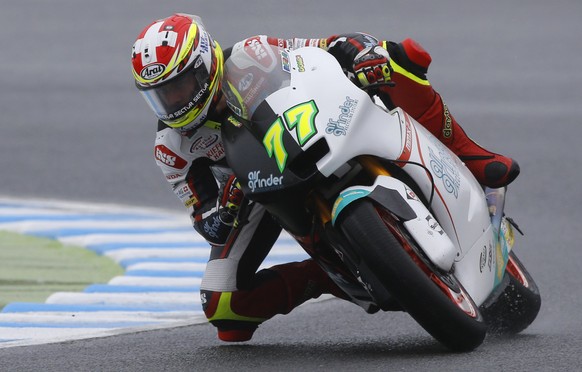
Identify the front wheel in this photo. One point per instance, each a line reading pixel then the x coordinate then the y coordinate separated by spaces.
pixel 436 300
pixel 516 302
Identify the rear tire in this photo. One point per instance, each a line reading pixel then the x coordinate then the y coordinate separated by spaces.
pixel 434 299
pixel 516 303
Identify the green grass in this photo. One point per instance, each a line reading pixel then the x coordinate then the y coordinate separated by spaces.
pixel 31 269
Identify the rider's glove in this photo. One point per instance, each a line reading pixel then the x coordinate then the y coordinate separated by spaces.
pixel 372 65
pixel 230 202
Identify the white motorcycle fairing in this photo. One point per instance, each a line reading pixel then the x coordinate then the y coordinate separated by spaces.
pixel 346 117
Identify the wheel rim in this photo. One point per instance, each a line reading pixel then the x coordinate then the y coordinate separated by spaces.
pixel 514 270
pixel 452 290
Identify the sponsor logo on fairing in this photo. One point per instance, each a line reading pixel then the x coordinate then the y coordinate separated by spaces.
pixel 434 225
pixel 483 259
pixel 407 149
pixel 256 182
pixel 300 63
pixel 443 167
pixel 258 51
pixel 410 195
pixel 486 258
pixel 490 257
pixel 285 62
pixel 340 126
pixel 245 82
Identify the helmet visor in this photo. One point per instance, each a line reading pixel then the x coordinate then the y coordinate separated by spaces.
pixel 185 93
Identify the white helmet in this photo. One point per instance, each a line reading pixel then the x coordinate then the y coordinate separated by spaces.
pixel 178 68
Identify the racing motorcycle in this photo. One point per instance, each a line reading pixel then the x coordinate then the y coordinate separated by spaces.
pixel 392 215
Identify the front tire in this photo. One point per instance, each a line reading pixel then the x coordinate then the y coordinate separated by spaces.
pixel 516 303
pixel 434 299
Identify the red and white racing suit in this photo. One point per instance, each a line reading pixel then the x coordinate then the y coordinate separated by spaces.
pixel 235 297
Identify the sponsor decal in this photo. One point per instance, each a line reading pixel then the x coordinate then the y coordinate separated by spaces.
pixel 198 62
pixel 285 62
pixel 490 257
pixel 299 43
pixel 344 199
pixel 434 225
pixel 204 43
pixel 300 63
pixel 234 121
pixel 212 230
pixel 170 177
pixel 448 125
pixel 183 192
pixel 216 152
pixel 443 167
pixel 245 82
pixel 486 258
pixel 234 109
pixel 152 71
pixel 254 91
pixel 340 126
pixel 188 107
pixel 258 51
pixel 186 196
pixel 203 143
pixel 190 202
pixel 483 259
pixel 407 149
pixel 256 182
pixel 410 195
pixel 168 157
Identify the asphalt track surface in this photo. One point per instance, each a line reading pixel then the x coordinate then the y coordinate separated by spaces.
pixel 73 128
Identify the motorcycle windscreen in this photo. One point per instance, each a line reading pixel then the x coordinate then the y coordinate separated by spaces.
pixel 252 72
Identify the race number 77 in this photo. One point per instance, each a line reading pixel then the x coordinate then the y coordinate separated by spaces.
pixel 300 118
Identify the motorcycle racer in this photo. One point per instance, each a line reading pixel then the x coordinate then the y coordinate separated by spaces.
pixel 178 69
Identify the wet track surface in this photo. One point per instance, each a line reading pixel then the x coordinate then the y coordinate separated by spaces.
pixel 74 128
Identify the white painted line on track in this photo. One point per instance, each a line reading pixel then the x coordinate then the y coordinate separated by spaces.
pixel 146 281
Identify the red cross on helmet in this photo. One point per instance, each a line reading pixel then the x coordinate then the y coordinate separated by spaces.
pixel 177 67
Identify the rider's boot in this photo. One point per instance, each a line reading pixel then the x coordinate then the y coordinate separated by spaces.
pixel 413 93
pixel 276 290
pixel 490 169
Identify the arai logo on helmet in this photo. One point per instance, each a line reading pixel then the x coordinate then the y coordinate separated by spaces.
pixel 152 71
